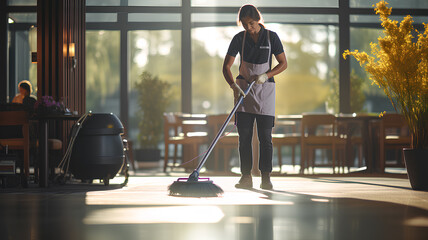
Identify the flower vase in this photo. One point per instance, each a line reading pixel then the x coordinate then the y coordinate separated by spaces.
pixel 417 167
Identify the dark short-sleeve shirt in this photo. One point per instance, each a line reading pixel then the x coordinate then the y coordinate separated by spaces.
pixel 256 53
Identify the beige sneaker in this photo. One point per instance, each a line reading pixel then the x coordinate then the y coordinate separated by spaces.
pixel 246 182
pixel 266 183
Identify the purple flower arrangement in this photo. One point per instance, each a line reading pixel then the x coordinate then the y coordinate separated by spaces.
pixel 47 105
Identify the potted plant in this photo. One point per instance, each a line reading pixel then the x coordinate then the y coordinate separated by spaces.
pixel 399 65
pixel 153 99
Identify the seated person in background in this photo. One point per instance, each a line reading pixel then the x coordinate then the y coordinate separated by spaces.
pixel 27 100
pixel 24 97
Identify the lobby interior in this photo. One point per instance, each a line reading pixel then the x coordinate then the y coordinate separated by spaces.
pixel 91 55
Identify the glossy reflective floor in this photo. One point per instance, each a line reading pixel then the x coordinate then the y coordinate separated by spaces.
pixel 298 208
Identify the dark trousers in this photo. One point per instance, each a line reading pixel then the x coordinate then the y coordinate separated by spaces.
pixel 245 123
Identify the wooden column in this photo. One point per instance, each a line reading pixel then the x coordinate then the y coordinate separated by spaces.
pixel 73 86
pixel 59 23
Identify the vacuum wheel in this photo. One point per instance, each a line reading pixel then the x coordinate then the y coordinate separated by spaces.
pixel 106 181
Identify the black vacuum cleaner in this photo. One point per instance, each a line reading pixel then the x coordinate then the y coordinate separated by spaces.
pixel 95 149
pixel 98 149
pixel 194 186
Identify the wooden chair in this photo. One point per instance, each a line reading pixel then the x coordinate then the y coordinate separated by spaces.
pixel 20 118
pixel 227 143
pixel 170 129
pixel 178 133
pixel 53 144
pixel 318 131
pixel 287 137
pixel 393 134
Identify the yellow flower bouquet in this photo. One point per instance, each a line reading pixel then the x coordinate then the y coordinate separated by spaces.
pixel 399 65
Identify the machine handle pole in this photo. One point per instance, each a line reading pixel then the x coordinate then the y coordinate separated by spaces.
pixel 214 142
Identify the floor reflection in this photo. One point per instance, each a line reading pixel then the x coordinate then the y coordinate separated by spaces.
pixel 65 215
pixel 152 215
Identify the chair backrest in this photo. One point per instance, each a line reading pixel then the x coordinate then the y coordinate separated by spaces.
pixel 16 118
pixel 11 118
pixel 215 122
pixel 285 126
pixel 318 125
pixel 170 118
pixel 192 123
pixel 394 124
pixel 178 124
pixel 170 125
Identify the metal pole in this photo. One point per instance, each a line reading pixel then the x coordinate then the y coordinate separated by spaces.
pixel 124 101
pixel 344 65
pixel 214 142
pixel 186 57
pixel 44 154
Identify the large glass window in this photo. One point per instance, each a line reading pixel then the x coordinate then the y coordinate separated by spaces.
pixel 102 71
pixel 310 39
pixel 210 92
pixel 154 3
pixel 366 97
pixel 23 18
pixel 392 3
pixel 304 87
pixel 22 42
pixel 101 17
pixel 103 3
pixel 364 19
pixel 374 98
pixel 157 52
pixel 312 55
pixel 231 18
pixel 266 3
pixel 21 2
pixel 154 17
pixel 132 2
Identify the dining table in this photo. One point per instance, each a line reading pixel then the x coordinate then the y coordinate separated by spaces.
pixel 43 143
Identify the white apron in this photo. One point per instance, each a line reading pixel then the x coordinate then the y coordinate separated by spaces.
pixel 261 98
